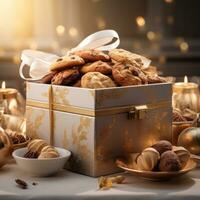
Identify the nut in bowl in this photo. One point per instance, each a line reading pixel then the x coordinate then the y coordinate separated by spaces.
pixel 40 159
pixel 159 162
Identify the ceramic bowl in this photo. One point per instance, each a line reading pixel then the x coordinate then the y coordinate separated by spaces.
pixel 154 175
pixel 41 167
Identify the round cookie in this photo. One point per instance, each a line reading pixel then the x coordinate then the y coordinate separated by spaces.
pixel 169 161
pixel 162 146
pixel 66 77
pixel 92 55
pixel 123 76
pixel 66 62
pixel 155 79
pixel 138 72
pixel 98 66
pixel 123 56
pixel 96 80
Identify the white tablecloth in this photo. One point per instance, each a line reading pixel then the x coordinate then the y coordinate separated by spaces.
pixel 67 185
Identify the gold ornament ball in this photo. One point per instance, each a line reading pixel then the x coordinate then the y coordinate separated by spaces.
pixel 190 139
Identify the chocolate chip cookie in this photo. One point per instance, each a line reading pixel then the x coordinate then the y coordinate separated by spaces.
pixel 66 77
pixel 138 72
pixel 66 62
pixel 124 76
pixel 92 55
pixel 123 56
pixel 155 79
pixel 96 80
pixel 98 66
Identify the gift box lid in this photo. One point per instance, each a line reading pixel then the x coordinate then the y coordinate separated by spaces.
pixel 93 100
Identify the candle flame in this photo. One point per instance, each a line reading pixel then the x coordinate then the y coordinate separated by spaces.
pixel 185 79
pixel 3 85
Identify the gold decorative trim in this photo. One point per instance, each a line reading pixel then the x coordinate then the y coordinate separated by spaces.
pixel 93 113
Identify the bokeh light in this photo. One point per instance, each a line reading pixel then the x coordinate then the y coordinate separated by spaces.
pixel 140 21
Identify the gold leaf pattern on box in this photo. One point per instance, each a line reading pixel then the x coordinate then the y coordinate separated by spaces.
pixel 61 96
pixel 80 137
pixel 34 123
pixel 102 151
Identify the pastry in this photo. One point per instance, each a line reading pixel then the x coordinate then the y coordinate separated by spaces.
pixel 48 152
pixel 124 76
pixel 16 137
pixel 148 159
pixel 162 146
pixel 96 80
pixel 47 78
pixel 169 161
pixel 123 56
pixel 35 147
pixel 66 77
pixel 66 62
pixel 98 66
pixel 92 55
pixel 155 79
pixel 183 155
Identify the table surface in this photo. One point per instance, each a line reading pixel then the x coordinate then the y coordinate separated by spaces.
pixel 67 185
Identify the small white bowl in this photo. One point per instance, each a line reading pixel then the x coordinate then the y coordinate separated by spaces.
pixel 41 167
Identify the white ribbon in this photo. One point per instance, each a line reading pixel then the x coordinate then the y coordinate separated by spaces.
pixel 39 62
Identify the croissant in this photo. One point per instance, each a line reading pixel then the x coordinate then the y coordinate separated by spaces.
pixel 48 152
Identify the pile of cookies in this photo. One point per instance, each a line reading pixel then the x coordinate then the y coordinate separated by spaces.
pixel 162 156
pixel 96 69
pixel 39 149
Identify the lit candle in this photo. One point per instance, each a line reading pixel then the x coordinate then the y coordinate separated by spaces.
pixel 185 95
pixel 6 93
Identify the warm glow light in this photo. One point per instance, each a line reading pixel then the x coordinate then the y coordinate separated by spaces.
pixel 184 46
pixel 60 30
pixel 73 32
pixel 185 79
pixel 168 1
pixel 140 21
pixel 3 85
pixel 151 35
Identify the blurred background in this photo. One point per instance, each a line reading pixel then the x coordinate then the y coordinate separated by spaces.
pixel 166 31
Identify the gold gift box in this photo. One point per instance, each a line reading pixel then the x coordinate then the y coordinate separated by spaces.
pixel 99 125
